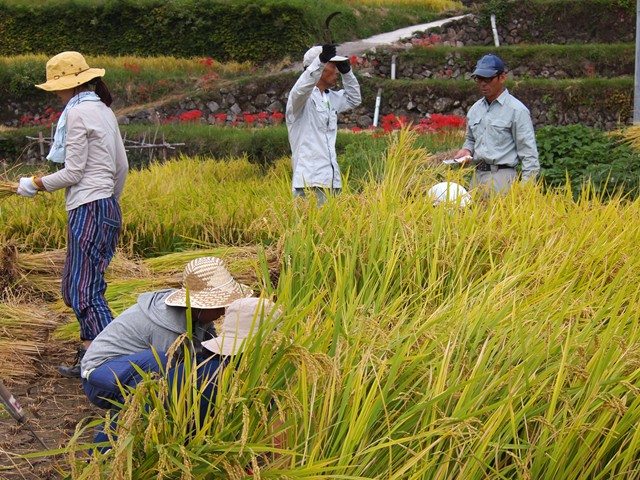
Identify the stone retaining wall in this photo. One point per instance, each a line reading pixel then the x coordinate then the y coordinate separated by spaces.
pixel 415 103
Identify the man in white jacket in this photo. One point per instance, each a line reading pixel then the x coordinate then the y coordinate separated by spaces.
pixel 312 120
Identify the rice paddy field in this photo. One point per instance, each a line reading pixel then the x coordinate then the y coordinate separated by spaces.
pixel 417 341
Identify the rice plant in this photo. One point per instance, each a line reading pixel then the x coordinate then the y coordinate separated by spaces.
pixel 422 341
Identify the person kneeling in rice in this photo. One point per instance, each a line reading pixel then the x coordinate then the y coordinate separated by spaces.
pixel 142 335
pixel 244 319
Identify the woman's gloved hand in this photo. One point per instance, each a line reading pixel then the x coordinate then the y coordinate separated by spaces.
pixel 27 187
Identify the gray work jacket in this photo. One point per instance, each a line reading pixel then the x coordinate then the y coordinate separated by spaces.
pixel 502 134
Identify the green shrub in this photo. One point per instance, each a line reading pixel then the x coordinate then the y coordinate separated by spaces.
pixel 253 30
pixel 587 154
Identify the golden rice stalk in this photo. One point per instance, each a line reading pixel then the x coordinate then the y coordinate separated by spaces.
pixel 40 273
pixel 24 330
pixel 8 188
pixel 242 262
pixel 8 272
pixel 16 359
pixel 30 274
pixel 122 266
pixel 631 135
pixel 20 321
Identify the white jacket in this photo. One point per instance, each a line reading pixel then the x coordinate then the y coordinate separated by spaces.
pixel 313 126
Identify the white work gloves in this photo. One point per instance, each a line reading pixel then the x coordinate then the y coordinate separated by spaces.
pixel 28 187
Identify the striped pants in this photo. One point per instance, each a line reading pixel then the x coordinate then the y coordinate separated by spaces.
pixel 92 235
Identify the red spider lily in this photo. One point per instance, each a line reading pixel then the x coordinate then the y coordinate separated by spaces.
pixel 133 67
pixel 190 116
pixel 220 117
pixel 47 118
pixel 277 117
pixel 356 129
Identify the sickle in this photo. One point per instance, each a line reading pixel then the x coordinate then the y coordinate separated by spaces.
pixel 327 32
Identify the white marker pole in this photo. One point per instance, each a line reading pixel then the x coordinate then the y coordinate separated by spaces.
pixel 376 114
pixel 494 28
pixel 393 65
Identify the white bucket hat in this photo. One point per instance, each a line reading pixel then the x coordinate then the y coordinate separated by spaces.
pixel 68 70
pixel 314 52
pixel 210 285
pixel 449 193
pixel 242 318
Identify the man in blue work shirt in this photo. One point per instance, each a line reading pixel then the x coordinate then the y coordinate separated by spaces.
pixel 499 132
pixel 312 120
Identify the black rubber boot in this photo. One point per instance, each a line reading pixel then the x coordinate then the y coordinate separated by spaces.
pixel 74 370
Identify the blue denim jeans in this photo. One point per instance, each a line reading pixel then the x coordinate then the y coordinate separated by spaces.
pixel 102 384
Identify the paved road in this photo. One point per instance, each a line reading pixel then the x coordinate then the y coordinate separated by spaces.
pixel 360 46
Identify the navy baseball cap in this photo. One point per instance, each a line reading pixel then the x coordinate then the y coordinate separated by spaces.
pixel 488 66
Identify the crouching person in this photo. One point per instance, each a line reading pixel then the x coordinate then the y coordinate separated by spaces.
pixel 139 338
pixel 242 320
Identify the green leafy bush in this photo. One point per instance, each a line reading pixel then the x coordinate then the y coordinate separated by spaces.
pixel 587 154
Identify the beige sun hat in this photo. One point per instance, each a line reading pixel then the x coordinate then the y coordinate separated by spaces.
pixel 210 285
pixel 68 70
pixel 242 318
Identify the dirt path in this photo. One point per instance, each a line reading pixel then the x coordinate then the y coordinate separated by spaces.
pixel 54 406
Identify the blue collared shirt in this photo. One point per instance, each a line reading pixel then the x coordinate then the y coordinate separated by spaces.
pixel 501 133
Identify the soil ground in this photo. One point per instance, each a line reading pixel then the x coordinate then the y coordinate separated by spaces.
pixel 54 406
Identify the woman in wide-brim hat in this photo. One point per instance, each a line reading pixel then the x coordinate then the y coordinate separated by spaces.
pixel 87 141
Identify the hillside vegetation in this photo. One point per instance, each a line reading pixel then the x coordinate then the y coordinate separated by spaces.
pixel 254 30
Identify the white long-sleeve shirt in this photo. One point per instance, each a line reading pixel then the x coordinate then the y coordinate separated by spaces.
pixel 95 164
pixel 312 122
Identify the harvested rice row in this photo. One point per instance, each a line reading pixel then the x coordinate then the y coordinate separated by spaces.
pixel 24 328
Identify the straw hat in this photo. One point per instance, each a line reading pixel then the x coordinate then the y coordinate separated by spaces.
pixel 210 285
pixel 68 70
pixel 242 318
